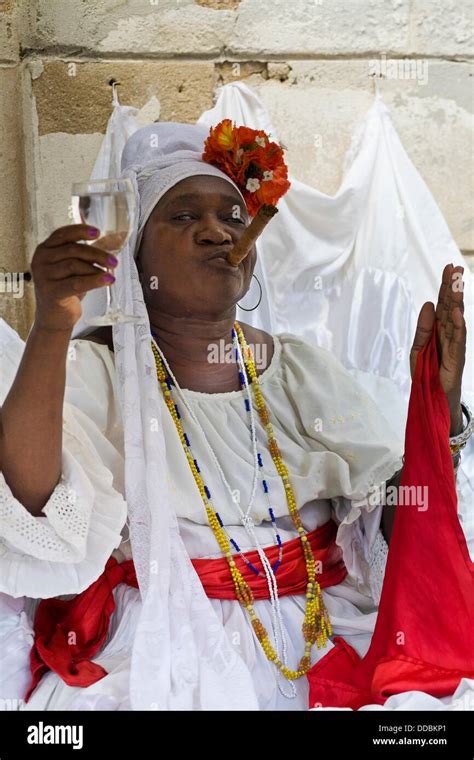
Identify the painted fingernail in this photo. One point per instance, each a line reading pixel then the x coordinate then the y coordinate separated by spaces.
pixel 108 278
pixel 92 231
pixel 112 261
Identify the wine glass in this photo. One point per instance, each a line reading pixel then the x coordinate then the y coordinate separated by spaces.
pixel 108 205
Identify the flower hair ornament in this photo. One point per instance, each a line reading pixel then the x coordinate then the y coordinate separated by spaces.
pixel 257 167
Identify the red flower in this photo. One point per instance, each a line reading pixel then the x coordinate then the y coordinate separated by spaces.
pixel 251 160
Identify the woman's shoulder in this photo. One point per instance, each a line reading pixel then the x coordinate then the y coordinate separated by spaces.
pixel 289 350
pixel 101 335
pixel 91 360
pixel 262 344
pixel 306 359
pixel 91 384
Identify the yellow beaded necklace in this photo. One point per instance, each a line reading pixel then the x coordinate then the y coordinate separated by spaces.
pixel 316 624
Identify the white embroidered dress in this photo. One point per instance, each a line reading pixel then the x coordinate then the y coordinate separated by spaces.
pixel 337 446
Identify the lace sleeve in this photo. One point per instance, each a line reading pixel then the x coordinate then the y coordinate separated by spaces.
pixel 59 538
pixel 378 553
pixel 65 548
pixel 363 545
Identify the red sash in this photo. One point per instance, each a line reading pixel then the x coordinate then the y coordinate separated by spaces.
pixel 86 617
pixel 291 575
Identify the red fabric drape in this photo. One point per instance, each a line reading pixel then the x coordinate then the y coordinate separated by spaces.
pixel 69 633
pixel 424 635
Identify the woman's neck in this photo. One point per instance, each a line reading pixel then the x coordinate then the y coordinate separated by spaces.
pixel 199 351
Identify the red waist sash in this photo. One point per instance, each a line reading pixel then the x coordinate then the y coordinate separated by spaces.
pixel 68 634
pixel 291 575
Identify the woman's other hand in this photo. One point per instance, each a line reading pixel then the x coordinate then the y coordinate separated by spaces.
pixel 451 343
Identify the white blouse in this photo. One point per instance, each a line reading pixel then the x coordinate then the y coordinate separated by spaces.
pixel 64 550
pixel 337 447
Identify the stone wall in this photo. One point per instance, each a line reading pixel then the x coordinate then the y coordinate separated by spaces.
pixel 309 60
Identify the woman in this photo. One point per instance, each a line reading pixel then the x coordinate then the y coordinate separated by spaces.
pixel 183 640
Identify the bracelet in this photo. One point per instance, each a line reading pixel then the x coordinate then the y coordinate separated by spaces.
pixel 458 442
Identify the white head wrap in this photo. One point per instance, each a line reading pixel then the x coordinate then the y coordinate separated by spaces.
pixel 182 658
pixel 160 156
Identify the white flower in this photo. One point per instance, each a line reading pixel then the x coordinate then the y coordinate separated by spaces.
pixel 252 184
pixel 267 176
pixel 260 141
pixel 239 154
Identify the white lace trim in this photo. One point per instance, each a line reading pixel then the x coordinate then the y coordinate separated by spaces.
pixel 63 550
pixel 378 553
pixel 59 538
pixel 359 528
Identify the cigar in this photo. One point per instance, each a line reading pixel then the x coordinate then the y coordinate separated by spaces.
pixel 246 241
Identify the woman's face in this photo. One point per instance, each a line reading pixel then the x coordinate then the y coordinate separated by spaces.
pixel 182 261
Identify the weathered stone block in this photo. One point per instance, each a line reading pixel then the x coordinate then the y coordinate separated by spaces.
pixel 15 302
pixel 442 28
pixel 77 98
pixel 320 27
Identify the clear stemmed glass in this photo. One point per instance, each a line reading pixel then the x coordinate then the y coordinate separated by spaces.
pixel 109 205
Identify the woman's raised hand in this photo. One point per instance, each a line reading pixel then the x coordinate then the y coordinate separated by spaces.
pixel 451 343
pixel 63 272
